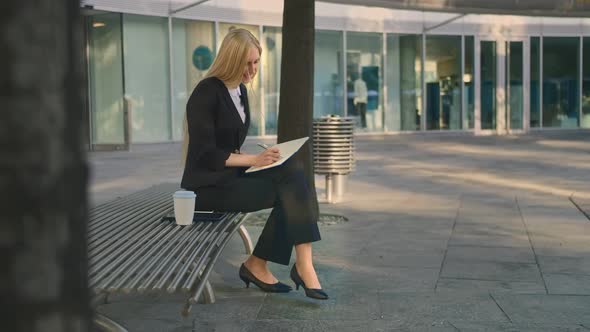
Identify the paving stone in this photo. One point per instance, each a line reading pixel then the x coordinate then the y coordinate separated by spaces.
pixel 485 239
pixel 384 325
pixel 490 254
pixel 565 265
pixel 503 327
pixel 343 325
pixel 148 324
pixel 376 278
pixel 345 303
pixel 159 310
pixel 433 309
pixel 403 258
pixel 546 309
pixel 560 246
pixel 500 271
pixel 492 227
pixel 221 325
pixel 471 286
pixel 567 284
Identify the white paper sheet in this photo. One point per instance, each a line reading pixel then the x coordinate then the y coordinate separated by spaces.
pixel 286 149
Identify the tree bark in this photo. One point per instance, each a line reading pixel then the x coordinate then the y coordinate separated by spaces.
pixel 43 168
pixel 297 67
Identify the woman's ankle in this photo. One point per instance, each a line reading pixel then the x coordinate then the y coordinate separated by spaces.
pixel 254 262
pixel 304 265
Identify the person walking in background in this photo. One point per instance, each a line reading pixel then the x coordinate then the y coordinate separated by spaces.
pixel 360 99
pixel 217 121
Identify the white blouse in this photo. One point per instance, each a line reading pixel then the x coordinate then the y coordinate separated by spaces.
pixel 235 96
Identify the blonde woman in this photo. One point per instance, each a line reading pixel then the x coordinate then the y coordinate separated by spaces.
pixel 217 121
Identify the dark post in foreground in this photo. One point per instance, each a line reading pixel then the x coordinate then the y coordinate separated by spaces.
pixel 297 66
pixel 43 170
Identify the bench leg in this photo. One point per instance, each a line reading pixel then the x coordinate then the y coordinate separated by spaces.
pixel 208 295
pixel 246 238
pixel 106 324
pixel 208 298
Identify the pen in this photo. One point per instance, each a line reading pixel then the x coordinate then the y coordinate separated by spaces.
pixel 262 145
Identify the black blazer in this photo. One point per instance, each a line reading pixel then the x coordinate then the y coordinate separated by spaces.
pixel 215 130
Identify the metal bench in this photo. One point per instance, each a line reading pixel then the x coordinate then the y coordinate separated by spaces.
pixel 132 249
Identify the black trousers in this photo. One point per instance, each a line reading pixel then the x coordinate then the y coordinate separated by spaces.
pixel 293 219
pixel 361 109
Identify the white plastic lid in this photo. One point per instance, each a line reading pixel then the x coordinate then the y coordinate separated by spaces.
pixel 184 194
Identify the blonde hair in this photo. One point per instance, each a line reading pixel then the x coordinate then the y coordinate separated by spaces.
pixel 228 66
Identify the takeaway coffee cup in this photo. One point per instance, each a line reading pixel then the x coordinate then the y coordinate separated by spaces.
pixel 184 207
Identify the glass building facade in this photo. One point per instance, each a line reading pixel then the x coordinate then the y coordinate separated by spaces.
pixel 468 75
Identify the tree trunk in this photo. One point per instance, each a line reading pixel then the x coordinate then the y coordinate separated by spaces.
pixel 43 169
pixel 297 66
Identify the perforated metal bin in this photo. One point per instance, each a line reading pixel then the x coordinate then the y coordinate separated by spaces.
pixel 333 153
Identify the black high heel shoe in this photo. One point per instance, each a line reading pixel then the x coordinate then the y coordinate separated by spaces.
pixel 314 293
pixel 247 277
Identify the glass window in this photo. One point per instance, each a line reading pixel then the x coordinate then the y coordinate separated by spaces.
pixel 469 100
pixel 488 84
pixel 442 72
pixel 328 96
pixel 515 75
pixel 585 121
pixel 147 90
pixel 392 80
pixel 561 66
pixel 364 84
pixel 271 64
pixel 535 82
pixel 256 120
pixel 404 87
pixel 193 52
pixel 106 78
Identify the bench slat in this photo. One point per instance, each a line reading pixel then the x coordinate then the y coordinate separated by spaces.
pixel 122 262
pixel 132 216
pixel 101 217
pixel 214 256
pixel 210 243
pixel 143 266
pixel 132 249
pixel 188 257
pixel 121 245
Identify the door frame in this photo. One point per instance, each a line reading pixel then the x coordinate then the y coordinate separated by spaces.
pixel 502 122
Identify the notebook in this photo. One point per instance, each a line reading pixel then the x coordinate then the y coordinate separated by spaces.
pixel 286 149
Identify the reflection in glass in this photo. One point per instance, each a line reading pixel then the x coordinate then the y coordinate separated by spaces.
pixel 328 94
pixel 585 121
pixel 147 92
pixel 469 100
pixel 515 89
pixel 404 88
pixel 256 118
pixel 561 65
pixel 535 82
pixel 442 72
pixel 392 78
pixel 272 40
pixel 364 84
pixel 488 84
pixel 193 52
pixel 106 78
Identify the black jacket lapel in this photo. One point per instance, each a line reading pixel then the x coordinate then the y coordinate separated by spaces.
pixel 244 93
pixel 232 107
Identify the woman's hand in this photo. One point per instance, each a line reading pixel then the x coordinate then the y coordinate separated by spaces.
pixel 267 157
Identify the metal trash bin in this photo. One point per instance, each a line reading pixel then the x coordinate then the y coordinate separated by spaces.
pixel 333 153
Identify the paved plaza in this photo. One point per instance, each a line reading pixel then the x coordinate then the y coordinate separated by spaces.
pixel 445 232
